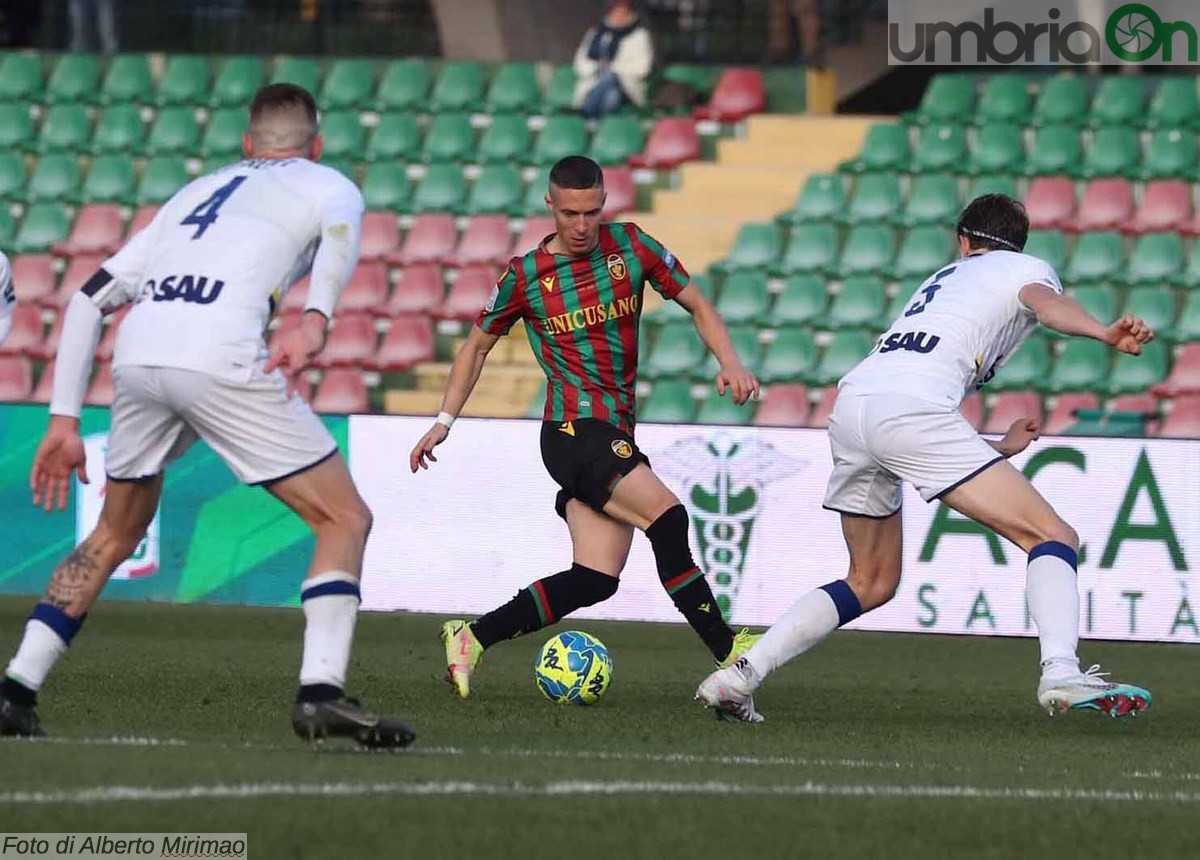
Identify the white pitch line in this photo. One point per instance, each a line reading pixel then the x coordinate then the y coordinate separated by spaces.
pixel 144 794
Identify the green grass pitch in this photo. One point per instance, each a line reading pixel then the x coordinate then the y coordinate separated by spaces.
pixel 875 745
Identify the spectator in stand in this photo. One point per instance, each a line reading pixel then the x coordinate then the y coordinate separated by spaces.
pixel 613 62
pixel 807 16
pixel 93 25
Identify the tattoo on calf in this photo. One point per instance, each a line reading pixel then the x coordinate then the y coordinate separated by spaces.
pixel 73 577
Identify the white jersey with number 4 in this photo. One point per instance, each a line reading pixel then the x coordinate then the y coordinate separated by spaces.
pixel 208 272
pixel 8 298
pixel 957 330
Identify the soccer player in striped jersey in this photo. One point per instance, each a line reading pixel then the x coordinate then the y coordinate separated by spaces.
pixel 580 295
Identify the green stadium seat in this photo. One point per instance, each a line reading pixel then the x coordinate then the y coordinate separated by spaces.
pixel 885 148
pixel 923 251
pixel 76 78
pixel 20 77
pixel 348 167
pixel 744 297
pixel 119 129
pixel 715 409
pixel 12 176
pixel 1048 245
pixel 868 249
pixel 1100 300
pixel 1187 327
pixel 1097 256
pixel 1028 367
pixel 185 81
pixel 65 128
pixel 668 313
pixel 223 133
pixel 344 135
pixel 745 341
pixel 109 179
pixel 237 81
pixel 301 71
pixel 701 77
pixel 397 136
pixel 175 131
pixel 349 84
pixel 514 89
pixel 811 248
pixel 802 301
pixel 497 190
pixel 560 91
pixel 128 80
pixel 949 97
pixel 941 147
pixel 1134 374
pixel 403 86
pixel 1062 101
pixel 933 199
pixel 677 350
pixel 1156 258
pixel 991 184
pixel 8 228
pixel 1115 151
pixel 876 197
pixel 443 189
pixel 859 304
pixel 999 148
pixel 790 357
pixel 669 402
pixel 1056 151
pixel 44 224
pixel 1120 100
pixel 161 177
pixel 618 137
pixel 1156 305
pixel 459 87
pixel 16 128
pixel 560 137
pixel 386 186
pixel 846 349
pixel 56 177
pixel 1081 366
pixel 506 139
pixel 756 246
pixel 823 196
pixel 535 194
pixel 1174 104
pixel 1005 99
pixel 1171 154
pixel 1191 272
pixel 449 138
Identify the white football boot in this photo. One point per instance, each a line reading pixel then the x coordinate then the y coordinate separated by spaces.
pixel 729 692
pixel 1090 691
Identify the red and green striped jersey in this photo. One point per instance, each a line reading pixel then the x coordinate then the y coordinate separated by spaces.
pixel 582 314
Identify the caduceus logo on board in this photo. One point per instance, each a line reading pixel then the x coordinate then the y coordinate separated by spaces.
pixel 722 481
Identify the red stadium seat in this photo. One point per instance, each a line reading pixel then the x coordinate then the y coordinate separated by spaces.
pixel 351 342
pixel 380 235
pixel 487 239
pixel 1183 421
pixel 1106 203
pixel 100 392
pixel 342 390
pixel 673 141
pixel 622 196
pixel 1166 206
pixel 296 297
pixel 739 93
pixel 98 230
pixel 1147 404
pixel 34 278
pixel 1011 406
pixel 16 378
pixel 972 410
pixel 1062 416
pixel 431 240
pixel 108 339
pixel 45 384
pixel 25 338
pixel 367 290
pixel 468 294
pixel 1185 375
pixel 409 341
pixel 532 234
pixel 420 290
pixel 819 417
pixel 78 271
pixel 141 219
pixel 1050 201
pixel 783 406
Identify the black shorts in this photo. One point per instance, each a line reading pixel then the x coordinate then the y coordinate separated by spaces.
pixel 587 457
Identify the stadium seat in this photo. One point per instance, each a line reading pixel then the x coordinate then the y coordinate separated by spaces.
pixel 990 183
pixel 783 406
pixel 1013 406
pixel 20 77
pixel 534 204
pixel 1170 154
pixel 802 301
pixel 56 177
pixel 998 147
pixel 468 294
pixel 33 277
pixel 386 186
pixel 141 219
pixel 175 132
pixel 1056 151
pixel 1166 205
pixel 16 378
pixel 302 71
pixel 1049 245
pixel 408 342
pixel 237 81
pixel 1063 100
pixel 1120 100
pixel 676 351
pixel 366 291
pixel 44 389
pixel 1191 272
pixel 1187 325
pixel 1156 305
pixel 948 98
pixel 43 225
pixel 1004 99
pixel 397 136
pixel 109 179
pixel 846 349
pixel 1106 204
pixel 25 337
pixel 743 297
pixel 351 342
pixel 618 138
pixel 418 291
pixel 1081 366
pixel 380 235
pixel 128 80
pixel 79 269
pixel 884 148
pixel 745 341
pixel 971 409
pixel 161 177
pixel 1096 256
pixel 498 189
pixel 450 137
pixel 823 196
pixel 65 128
pixel 349 84
pixel 897 305
pixel 403 86
pixel 923 251
pixel 1185 373
pixel 933 200
pixel 514 89
pixel 532 234
pixel 99 229
pixel 810 248
pixel 1027 368
pixel 1137 373
pixel 341 391
pixel 1050 202
pixel 1174 103
pixel 12 180
pixel 790 357
pixel 487 239
pixel 506 140
pixel 941 147
pixel 344 135
pixel 459 87
pixel 1062 416
pixel 818 419
pixel 223 134
pixel 442 189
pixel 622 195
pixel 756 246
pixel 430 240
pixel 1099 299
pixel 1115 151
pixel 76 78
pixel 669 402
pixel 16 127
pixel 738 94
pixel 868 249
pixel 1156 258
pixel 119 129
pixel 876 197
pixel 185 81
pixel 560 137
pixel 715 409
pixel 672 142
pixel 100 391
pixel 858 304
pixel 560 91
pixel 1183 421
pixel 294 300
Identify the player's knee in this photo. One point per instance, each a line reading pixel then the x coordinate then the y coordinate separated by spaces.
pixel 1059 531
pixel 668 536
pixel 593 586
pixel 874 586
pixel 356 520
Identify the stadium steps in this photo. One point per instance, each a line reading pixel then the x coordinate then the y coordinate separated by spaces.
pixel 482 404
pixel 516 382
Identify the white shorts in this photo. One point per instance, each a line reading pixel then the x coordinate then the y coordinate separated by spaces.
pixel 880 440
pixel 260 433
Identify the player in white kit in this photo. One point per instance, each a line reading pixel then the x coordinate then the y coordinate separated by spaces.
pixel 897 420
pixel 191 363
pixel 8 298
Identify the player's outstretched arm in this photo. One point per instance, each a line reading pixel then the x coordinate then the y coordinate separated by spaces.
pixel 1020 433
pixel 734 376
pixel 1064 314
pixel 464 373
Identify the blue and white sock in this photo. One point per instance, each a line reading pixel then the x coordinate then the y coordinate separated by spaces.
pixel 1052 594
pixel 48 632
pixel 330 609
pixel 811 618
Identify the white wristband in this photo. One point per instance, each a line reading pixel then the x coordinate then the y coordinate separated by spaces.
pixel 445 419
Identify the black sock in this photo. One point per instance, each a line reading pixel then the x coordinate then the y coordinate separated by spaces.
pixel 318 693
pixel 543 603
pixel 18 693
pixel 685 582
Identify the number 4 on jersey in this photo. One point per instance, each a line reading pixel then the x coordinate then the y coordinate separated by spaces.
pixel 205 214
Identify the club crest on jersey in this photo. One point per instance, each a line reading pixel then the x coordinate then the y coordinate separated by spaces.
pixel 622 449
pixel 548 283
pixel 616 267
pixel 668 258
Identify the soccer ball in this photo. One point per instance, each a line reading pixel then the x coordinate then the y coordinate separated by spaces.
pixel 573 668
